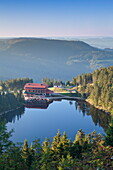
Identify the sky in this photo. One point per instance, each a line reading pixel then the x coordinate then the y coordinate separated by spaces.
pixel 56 18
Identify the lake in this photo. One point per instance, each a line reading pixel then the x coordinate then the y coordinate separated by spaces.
pixel 44 122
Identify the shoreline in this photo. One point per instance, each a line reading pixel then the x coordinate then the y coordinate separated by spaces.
pixel 61 98
pixel 98 107
pixel 65 98
pixel 11 110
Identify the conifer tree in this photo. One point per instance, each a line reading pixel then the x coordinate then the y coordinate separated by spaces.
pixel 5 143
pixel 31 155
pixel 65 141
pixel 80 137
pixel 46 146
pixel 25 150
pixel 109 136
pixel 26 154
pixel 56 141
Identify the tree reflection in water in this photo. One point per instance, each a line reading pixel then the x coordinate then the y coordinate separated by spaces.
pixel 99 117
pixel 12 115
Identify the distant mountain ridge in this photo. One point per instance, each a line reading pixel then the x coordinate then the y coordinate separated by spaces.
pixel 37 58
pixel 99 42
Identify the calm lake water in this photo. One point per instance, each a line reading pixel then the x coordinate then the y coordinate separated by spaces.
pixel 69 116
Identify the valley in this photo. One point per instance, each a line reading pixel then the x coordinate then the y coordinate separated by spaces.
pixel 37 58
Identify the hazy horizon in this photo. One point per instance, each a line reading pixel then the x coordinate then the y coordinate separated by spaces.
pixel 57 37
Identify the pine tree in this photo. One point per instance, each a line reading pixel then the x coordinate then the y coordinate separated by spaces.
pixel 5 143
pixel 56 141
pixel 26 154
pixel 109 136
pixel 46 146
pixel 80 137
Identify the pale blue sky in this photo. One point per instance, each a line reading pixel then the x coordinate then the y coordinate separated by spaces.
pixel 46 18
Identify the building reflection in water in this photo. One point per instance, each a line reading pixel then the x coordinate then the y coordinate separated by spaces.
pixel 98 117
pixel 17 114
pixel 41 104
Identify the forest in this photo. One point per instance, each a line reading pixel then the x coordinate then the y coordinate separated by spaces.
pixel 97 87
pixel 39 57
pixel 11 93
pixel 87 151
pixel 14 84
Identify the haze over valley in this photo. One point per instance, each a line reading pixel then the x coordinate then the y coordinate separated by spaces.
pixel 37 58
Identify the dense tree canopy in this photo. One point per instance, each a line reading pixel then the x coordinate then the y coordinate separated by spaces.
pixel 51 81
pixel 11 93
pixel 86 151
pixel 14 84
pixel 98 87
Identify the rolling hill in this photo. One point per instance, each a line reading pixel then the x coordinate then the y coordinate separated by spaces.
pixel 37 58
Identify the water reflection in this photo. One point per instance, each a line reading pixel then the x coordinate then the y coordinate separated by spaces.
pixel 98 117
pixel 13 115
pixel 41 104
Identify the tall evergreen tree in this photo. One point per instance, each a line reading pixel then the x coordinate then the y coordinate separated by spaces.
pixel 5 143
pixel 109 135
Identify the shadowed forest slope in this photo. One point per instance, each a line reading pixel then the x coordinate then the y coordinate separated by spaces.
pixel 37 58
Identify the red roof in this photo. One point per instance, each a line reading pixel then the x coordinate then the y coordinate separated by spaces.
pixel 37 85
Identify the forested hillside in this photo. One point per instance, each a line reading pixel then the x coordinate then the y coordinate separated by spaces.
pixel 98 87
pixel 37 58
pixel 14 84
pixel 11 96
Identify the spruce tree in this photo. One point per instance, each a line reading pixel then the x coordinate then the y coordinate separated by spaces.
pixel 26 154
pixel 5 143
pixel 109 136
